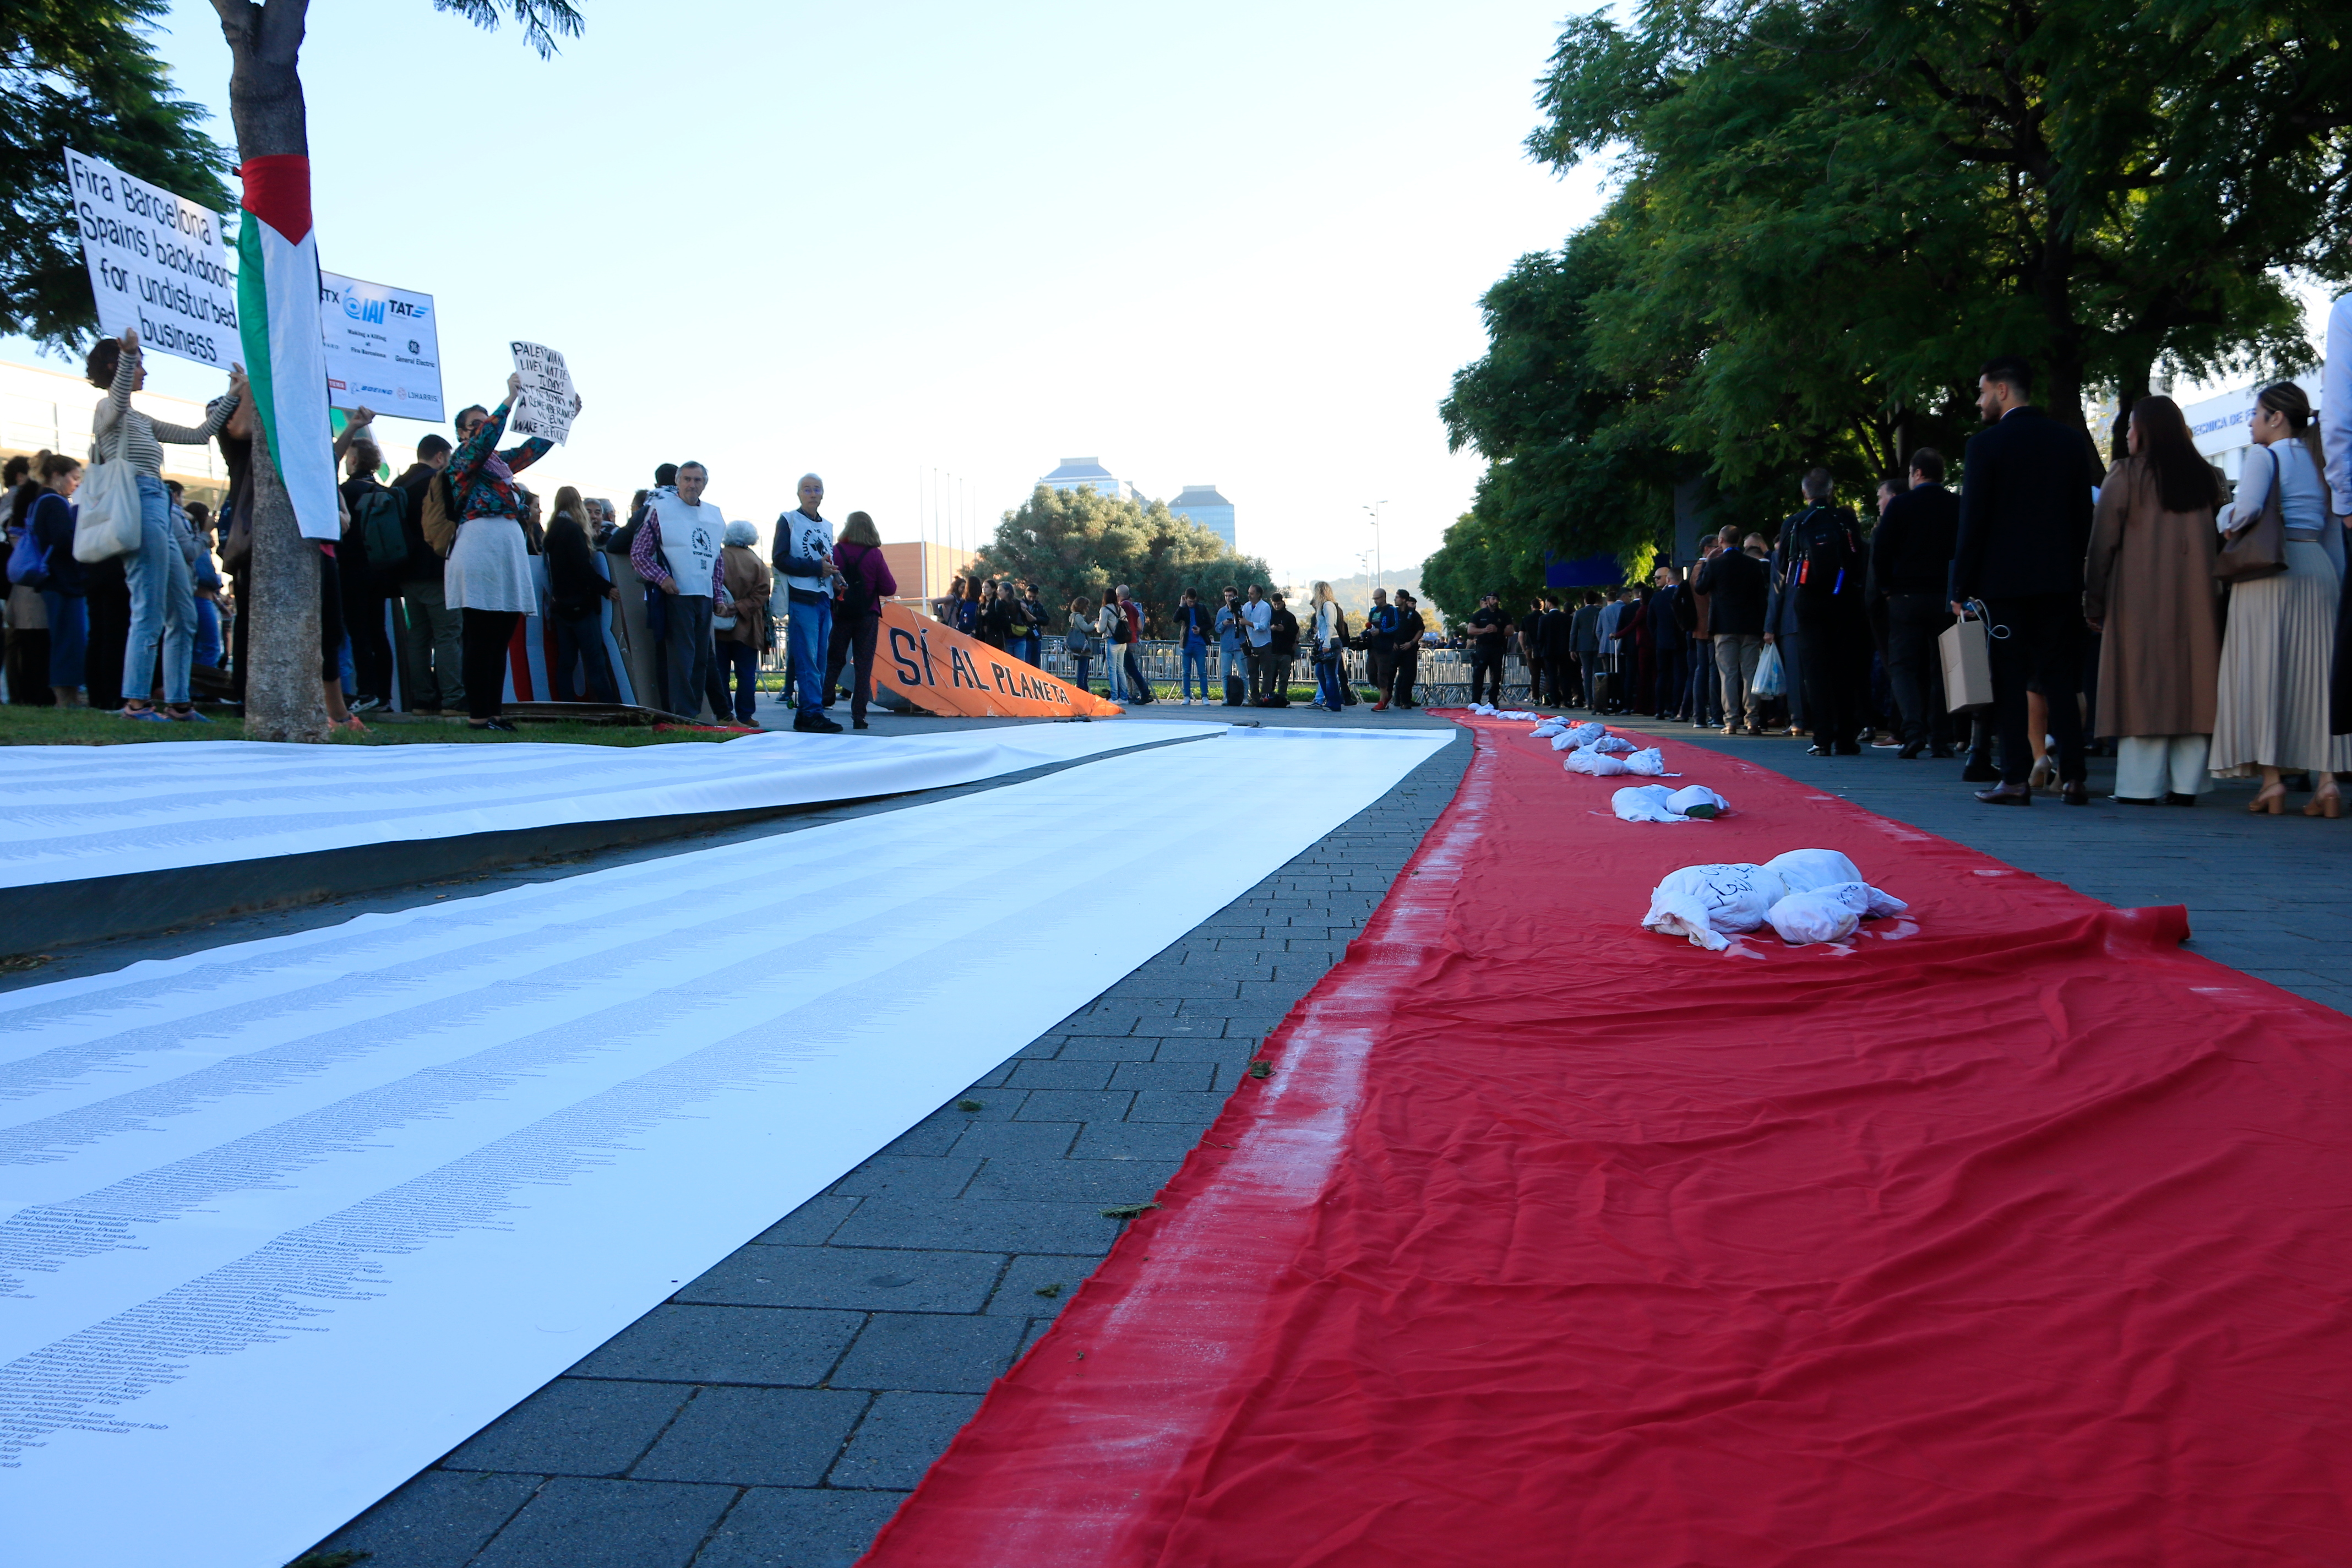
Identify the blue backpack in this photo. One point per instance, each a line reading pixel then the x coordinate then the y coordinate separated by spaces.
pixel 28 563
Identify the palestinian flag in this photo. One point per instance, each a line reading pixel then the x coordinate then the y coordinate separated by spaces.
pixel 285 351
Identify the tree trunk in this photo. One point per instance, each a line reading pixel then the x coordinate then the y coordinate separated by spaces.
pixel 284 700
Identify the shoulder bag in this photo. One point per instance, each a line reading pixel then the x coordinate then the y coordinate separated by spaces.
pixel 107 506
pixel 2258 549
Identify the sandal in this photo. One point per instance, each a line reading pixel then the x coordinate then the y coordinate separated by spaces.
pixel 183 713
pixel 2327 803
pixel 2272 799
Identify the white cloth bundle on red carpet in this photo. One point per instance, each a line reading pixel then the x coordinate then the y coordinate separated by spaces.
pixel 1814 889
pixel 1830 913
pixel 1656 802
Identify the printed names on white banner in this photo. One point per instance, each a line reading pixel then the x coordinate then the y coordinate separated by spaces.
pixel 383 348
pixel 548 402
pixel 157 262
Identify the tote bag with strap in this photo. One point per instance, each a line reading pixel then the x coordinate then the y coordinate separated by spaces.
pixel 107 524
pixel 2256 549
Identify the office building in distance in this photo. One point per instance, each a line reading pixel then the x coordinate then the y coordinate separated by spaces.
pixel 1202 504
pixel 1087 474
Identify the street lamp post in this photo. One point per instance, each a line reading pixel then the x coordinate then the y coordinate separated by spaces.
pixel 1375 510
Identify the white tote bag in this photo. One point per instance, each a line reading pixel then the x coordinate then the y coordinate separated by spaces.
pixel 106 520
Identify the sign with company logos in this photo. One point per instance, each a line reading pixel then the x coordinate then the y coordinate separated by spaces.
pixel 383 350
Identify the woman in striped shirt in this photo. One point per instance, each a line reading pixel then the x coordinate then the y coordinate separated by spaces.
pixel 163 592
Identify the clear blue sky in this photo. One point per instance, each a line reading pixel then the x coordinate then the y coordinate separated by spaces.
pixel 1229 243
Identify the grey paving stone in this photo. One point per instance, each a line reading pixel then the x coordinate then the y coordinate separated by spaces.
pixel 775 1527
pixel 852 1278
pixel 1212 1050
pixel 1136 1141
pixel 935 1353
pixel 810 1224
pixel 786 1347
pixel 574 1426
pixel 978 1225
pixel 897 1176
pixel 440 1519
pixel 1016 1296
pixel 580 1523
pixel 1205 986
pixel 1073 1074
pixel 1096 1182
pixel 1017 1139
pixel 755 1437
pixel 1110 1048
pixel 1037 1327
pixel 1172 1074
pixel 997 1104
pixel 925 1138
pixel 900 1437
pixel 1075 1105
pixel 1170 1105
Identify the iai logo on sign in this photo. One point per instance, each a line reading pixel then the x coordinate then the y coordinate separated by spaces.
pixel 363 353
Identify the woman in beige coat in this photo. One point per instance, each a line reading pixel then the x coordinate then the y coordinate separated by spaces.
pixel 2148 589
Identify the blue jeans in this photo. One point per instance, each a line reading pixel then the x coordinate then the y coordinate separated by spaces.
pixel 68 636
pixel 208 637
pixel 687 620
pixel 1084 661
pixel 580 642
pixel 1326 683
pixel 1114 675
pixel 811 634
pixel 163 601
pixel 1030 649
pixel 1196 663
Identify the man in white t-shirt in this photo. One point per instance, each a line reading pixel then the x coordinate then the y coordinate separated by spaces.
pixel 802 555
pixel 677 550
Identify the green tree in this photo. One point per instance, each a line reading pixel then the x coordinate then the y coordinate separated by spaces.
pixel 1479 558
pixel 1070 544
pixel 283 701
pixel 84 72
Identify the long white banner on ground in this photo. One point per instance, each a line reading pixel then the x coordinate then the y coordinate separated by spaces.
pixel 76 812
pixel 285 1221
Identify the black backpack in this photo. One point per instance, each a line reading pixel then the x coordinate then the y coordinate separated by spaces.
pixel 1830 556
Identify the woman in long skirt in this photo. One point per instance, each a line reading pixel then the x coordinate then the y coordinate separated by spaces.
pixel 2272 715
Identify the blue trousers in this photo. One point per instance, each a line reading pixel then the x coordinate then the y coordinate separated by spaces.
pixel 1196 663
pixel 1328 672
pixel 163 601
pixel 68 636
pixel 810 635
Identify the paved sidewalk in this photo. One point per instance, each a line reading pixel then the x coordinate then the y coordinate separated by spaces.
pixel 777 1410
pixel 2270 895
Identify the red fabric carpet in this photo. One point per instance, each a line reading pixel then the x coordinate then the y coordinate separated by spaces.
pixel 2012 1234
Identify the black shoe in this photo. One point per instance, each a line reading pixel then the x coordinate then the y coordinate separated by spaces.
pixel 503 726
pixel 859 724
pixel 2007 794
pixel 1941 754
pixel 814 725
pixel 1981 772
pixel 2075 793
pixel 1910 751
pixel 1849 749
pixel 2133 800
pixel 1819 752
pixel 2174 798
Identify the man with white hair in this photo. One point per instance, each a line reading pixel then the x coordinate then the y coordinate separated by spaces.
pixel 802 554
pixel 677 550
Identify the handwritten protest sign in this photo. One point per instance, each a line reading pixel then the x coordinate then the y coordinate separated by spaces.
pixel 940 670
pixel 157 262
pixel 545 405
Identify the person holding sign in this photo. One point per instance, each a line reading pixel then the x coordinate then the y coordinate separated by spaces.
pixel 487 580
pixel 677 550
pixel 163 592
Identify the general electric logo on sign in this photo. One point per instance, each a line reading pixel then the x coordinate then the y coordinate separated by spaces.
pixel 382 348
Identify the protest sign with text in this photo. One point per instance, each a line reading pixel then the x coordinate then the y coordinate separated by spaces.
pixel 546 404
pixel 157 262
pixel 940 670
pixel 383 348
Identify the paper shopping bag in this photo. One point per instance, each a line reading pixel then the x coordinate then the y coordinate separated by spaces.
pixel 1968 665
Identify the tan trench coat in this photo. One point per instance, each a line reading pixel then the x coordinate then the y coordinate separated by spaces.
pixel 2149 578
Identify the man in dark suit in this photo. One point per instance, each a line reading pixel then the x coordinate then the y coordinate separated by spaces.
pixel 1911 569
pixel 1823 566
pixel 2025 523
pixel 1737 587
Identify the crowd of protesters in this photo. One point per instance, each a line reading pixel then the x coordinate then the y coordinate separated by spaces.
pixel 2138 609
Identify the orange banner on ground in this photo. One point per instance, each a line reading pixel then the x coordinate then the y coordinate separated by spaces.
pixel 940 670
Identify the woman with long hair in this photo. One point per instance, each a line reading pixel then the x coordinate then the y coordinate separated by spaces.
pixel 49 518
pixel 1330 634
pixel 948 608
pixel 1079 640
pixel 576 593
pixel 865 582
pixel 1110 626
pixel 2272 713
pixel 968 612
pixel 2148 591
pixel 995 627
